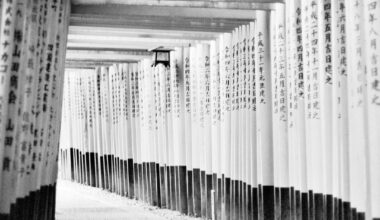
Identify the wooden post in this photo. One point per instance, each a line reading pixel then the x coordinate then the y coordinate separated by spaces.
pixel 264 115
pixel 371 11
pixel 340 108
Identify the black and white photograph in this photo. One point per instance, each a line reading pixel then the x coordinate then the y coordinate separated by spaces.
pixel 190 110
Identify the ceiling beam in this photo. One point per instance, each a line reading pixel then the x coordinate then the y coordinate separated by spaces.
pixel 90 64
pixel 219 4
pixel 144 33
pixel 122 10
pixel 159 17
pixel 92 57
pixel 134 52
pixel 156 23
pixel 111 50
pixel 127 40
pixel 124 44
pixel 106 55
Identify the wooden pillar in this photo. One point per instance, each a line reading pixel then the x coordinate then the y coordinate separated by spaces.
pixel 264 115
pixel 371 26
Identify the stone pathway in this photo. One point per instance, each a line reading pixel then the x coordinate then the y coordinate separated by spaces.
pixel 76 201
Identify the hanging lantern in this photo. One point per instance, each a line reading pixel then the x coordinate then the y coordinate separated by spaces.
pixel 161 55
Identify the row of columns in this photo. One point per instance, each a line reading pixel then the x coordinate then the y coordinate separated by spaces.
pixel 276 120
pixel 32 50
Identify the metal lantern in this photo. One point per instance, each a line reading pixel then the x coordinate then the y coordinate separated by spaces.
pixel 161 55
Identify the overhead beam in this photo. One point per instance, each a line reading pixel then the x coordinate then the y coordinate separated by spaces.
pixel 159 17
pixel 123 10
pixel 106 55
pixel 111 50
pixel 147 33
pixel 124 44
pixel 127 40
pixel 135 52
pixel 156 23
pixel 90 64
pixel 92 57
pixel 99 61
pixel 219 4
